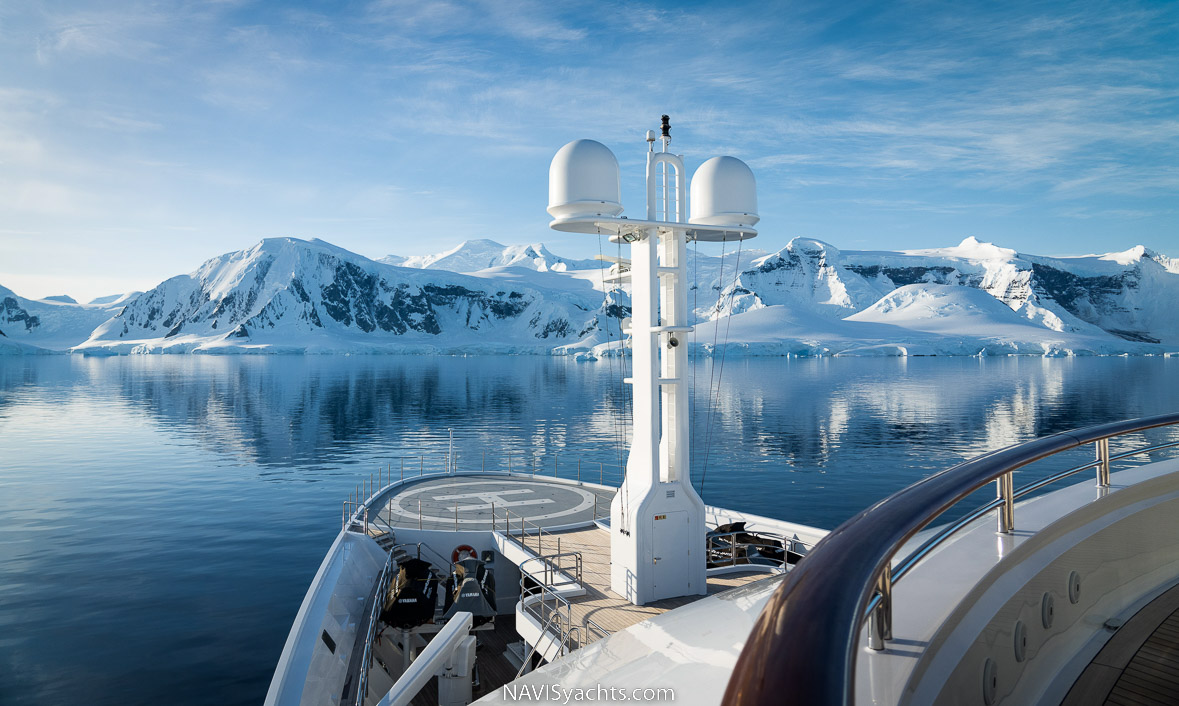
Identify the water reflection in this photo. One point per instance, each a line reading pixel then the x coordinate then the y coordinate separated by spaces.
pixel 754 421
pixel 185 501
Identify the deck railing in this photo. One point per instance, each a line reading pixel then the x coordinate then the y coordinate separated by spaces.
pixel 540 597
pixel 529 535
pixel 723 549
pixel 361 499
pixel 366 659
pixel 849 576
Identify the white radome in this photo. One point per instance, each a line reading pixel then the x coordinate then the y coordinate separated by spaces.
pixel 584 181
pixel 724 193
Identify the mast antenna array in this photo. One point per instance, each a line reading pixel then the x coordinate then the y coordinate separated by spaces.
pixel 657 523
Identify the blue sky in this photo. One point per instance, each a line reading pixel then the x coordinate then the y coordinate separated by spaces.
pixel 139 139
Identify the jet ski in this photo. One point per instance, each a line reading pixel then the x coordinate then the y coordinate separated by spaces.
pixel 412 598
pixel 471 588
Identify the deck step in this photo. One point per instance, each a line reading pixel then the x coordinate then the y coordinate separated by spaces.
pixel 516 653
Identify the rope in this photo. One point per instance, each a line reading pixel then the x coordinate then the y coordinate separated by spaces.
pixel 721 373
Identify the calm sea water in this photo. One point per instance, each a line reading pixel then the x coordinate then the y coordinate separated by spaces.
pixel 161 517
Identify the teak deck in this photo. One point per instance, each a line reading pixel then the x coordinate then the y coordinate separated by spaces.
pixel 611 611
pixel 1139 666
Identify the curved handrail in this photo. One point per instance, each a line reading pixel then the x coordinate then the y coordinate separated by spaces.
pixel 819 609
pixel 378 603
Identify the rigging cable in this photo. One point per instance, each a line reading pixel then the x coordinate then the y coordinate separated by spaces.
pixel 721 373
pixel 712 363
pixel 616 415
pixel 691 361
pixel 627 401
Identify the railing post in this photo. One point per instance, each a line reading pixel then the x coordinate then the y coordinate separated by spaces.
pixel 601 473
pixel 1005 491
pixel 456 516
pixel 421 466
pixel 579 470
pixel 1103 467
pixel 402 469
pixel 419 514
pixel 880 625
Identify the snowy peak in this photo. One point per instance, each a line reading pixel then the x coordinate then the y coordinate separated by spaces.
pixel 478 255
pixel 290 294
pixel 112 300
pixel 807 273
pixel 50 323
pixel 969 249
pixel 1130 257
pixel 931 302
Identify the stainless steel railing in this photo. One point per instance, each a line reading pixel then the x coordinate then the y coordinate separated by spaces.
pixel 850 575
pixel 439 560
pixel 529 535
pixel 369 489
pixel 540 598
pixel 366 659
pixel 724 549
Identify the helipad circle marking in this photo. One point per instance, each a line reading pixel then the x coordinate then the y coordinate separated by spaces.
pixel 588 500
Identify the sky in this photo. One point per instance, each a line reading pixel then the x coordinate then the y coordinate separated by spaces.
pixel 138 139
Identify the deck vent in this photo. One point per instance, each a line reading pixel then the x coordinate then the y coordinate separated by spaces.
pixel 1047 610
pixel 1021 641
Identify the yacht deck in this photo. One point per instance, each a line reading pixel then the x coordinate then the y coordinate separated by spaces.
pixel 611 611
pixel 1139 666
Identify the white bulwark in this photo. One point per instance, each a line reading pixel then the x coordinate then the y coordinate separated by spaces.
pixel 657 524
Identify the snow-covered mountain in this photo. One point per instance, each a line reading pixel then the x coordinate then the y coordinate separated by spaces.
pixel 809 298
pixel 1125 294
pixel 476 255
pixel 50 323
pixel 292 295
pixel 114 299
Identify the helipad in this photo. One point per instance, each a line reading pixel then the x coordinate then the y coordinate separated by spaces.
pixel 467 502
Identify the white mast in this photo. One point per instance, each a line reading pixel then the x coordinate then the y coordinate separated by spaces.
pixel 657 524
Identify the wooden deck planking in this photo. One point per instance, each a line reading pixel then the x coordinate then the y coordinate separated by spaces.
pixel 606 608
pixel 1139 666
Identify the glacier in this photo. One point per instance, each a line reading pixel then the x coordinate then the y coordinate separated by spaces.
pixel 810 298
